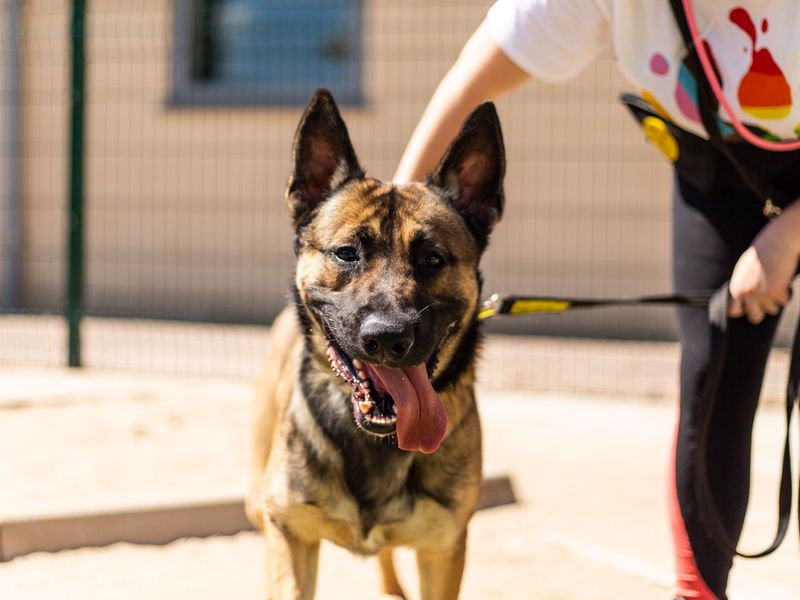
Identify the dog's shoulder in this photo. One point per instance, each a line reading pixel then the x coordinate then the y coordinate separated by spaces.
pixel 274 384
pixel 273 390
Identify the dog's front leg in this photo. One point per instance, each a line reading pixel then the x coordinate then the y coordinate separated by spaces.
pixel 291 565
pixel 440 570
pixel 390 586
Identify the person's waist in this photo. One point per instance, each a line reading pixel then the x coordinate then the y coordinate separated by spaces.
pixel 698 160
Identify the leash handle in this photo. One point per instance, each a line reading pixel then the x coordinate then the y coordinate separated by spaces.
pixel 709 513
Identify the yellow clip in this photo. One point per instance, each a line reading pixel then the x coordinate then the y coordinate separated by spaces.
pixel 521 307
pixel 771 210
pixel 486 313
pixel 657 132
pixel 489 308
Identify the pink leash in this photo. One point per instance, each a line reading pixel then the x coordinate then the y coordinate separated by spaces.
pixel 715 87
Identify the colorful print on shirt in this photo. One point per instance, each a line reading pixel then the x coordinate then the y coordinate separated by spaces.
pixel 754 45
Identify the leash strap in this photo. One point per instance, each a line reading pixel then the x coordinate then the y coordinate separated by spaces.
pixel 718 309
pixel 705 97
pixel 717 303
pixel 709 513
pixel 526 305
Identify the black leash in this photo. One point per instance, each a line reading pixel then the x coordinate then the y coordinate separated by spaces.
pixel 526 305
pixel 717 303
pixel 718 309
pixel 709 513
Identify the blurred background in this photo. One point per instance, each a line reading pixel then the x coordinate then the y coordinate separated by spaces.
pixel 188 115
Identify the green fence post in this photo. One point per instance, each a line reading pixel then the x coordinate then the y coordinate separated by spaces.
pixel 74 300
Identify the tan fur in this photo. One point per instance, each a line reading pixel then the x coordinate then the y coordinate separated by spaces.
pixel 273 388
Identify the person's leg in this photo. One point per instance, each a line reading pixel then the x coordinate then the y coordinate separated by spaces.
pixel 710 231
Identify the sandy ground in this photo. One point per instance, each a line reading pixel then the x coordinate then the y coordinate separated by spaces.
pixel 589 474
pixel 77 441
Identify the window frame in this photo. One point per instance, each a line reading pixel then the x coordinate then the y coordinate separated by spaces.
pixel 185 91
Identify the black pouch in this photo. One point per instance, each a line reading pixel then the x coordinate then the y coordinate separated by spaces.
pixel 694 158
pixel 773 175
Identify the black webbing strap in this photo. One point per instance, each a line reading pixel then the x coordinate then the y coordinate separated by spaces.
pixel 526 305
pixel 718 309
pixel 706 103
pixel 709 513
pixel 716 302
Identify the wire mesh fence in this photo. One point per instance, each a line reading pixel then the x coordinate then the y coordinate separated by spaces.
pixel 191 106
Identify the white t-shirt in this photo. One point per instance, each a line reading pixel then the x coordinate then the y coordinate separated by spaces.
pixel 755 45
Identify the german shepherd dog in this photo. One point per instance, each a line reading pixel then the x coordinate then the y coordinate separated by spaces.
pixel 367 432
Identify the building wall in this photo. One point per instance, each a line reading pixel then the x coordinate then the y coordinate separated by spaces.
pixel 45 127
pixel 186 216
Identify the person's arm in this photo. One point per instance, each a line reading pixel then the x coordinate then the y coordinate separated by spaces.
pixel 762 279
pixel 481 72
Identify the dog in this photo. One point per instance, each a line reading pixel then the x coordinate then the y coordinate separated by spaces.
pixel 367 432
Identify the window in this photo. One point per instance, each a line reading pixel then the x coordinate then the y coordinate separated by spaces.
pixel 266 51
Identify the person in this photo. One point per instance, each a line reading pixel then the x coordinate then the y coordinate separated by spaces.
pixel 720 231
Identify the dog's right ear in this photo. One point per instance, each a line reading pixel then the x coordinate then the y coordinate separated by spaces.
pixel 323 157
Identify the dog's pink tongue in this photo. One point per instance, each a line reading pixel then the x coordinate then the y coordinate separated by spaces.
pixel 421 417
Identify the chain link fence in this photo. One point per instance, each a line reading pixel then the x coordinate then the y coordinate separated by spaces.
pixel 189 111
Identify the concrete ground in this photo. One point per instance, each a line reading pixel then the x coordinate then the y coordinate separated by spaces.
pixel 588 471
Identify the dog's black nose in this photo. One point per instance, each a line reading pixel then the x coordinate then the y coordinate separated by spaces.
pixel 385 338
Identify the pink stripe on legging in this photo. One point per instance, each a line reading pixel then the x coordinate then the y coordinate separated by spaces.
pixel 689 583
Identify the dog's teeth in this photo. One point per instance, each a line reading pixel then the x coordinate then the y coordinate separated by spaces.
pixel 357 363
pixel 381 419
pixel 365 406
pixel 362 376
pixel 365 384
pixel 393 408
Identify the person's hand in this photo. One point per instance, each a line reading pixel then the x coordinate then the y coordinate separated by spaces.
pixel 761 281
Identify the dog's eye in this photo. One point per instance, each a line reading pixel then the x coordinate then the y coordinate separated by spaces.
pixel 346 253
pixel 433 260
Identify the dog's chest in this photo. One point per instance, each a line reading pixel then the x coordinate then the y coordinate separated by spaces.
pixel 364 508
pixel 416 522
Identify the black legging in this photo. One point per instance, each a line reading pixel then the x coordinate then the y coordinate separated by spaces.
pixel 711 231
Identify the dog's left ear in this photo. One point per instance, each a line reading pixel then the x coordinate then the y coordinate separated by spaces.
pixel 472 170
pixel 323 157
